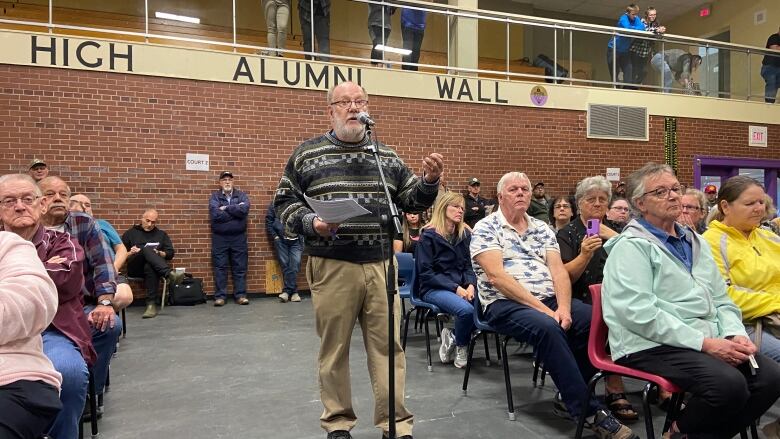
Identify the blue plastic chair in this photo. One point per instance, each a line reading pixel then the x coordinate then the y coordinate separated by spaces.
pixel 405 274
pixel 404 259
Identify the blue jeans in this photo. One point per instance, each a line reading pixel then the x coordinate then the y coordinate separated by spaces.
pixel 104 343
pixel 454 305
pixel 770 346
pixel 288 252
pixel 662 67
pixel 229 252
pixel 563 353
pixel 68 361
pixel 624 65
pixel 771 75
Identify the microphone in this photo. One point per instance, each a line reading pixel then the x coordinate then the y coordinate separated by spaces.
pixel 365 119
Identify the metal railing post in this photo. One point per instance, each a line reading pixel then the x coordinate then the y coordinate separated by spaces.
pixel 614 60
pixel 749 79
pixel 234 26
pixel 449 58
pixel 706 70
pixel 663 67
pixel 384 43
pixel 507 48
pixel 571 56
pixel 51 16
pixel 555 55
pixel 311 25
pixel 146 21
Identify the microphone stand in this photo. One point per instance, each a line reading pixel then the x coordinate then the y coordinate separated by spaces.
pixel 389 228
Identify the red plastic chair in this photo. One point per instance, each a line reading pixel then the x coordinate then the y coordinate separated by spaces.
pixel 601 360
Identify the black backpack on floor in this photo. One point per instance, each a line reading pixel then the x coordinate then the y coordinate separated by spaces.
pixel 188 292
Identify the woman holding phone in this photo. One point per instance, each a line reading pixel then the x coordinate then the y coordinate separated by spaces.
pixel 584 257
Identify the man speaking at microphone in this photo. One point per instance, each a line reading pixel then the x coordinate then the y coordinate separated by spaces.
pixel 346 271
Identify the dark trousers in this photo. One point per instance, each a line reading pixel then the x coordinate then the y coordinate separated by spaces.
pixel 27 408
pixel 724 399
pixel 104 343
pixel 288 253
pixel 376 38
pixel 413 39
pixel 639 68
pixel 564 353
pixel 623 61
pixel 321 28
pixel 229 252
pixel 151 267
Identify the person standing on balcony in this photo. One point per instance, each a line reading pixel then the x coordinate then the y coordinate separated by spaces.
pixel 277 15
pixel 642 49
pixel 413 31
pixel 770 69
pixel 379 27
pixel 676 64
pixel 319 11
pixel 622 45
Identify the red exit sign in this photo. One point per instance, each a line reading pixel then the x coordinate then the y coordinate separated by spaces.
pixel 705 10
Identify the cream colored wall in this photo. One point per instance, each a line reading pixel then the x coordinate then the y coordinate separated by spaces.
pixel 737 17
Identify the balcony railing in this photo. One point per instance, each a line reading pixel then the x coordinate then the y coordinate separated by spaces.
pixel 495 44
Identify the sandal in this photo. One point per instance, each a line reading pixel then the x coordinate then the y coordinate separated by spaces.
pixel 620 407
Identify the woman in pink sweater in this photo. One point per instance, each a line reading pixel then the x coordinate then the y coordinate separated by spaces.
pixel 29 385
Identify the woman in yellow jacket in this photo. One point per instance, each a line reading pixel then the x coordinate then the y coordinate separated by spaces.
pixel 748 256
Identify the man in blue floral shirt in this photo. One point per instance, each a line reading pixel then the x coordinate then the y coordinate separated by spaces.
pixel 526 293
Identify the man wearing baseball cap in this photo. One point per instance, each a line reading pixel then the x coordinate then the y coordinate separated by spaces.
pixel 711 192
pixel 38 170
pixel 475 204
pixel 538 206
pixel 228 211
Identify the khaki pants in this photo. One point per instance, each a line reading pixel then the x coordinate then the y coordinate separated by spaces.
pixel 343 292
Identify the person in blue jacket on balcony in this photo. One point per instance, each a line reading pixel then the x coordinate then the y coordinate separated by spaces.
pixel 413 31
pixel 621 45
pixel 770 69
pixel 228 211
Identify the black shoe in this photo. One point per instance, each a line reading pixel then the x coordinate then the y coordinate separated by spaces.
pixel 408 436
pixel 339 434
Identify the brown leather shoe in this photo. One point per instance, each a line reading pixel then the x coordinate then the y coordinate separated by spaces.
pixel 242 301
pixel 219 302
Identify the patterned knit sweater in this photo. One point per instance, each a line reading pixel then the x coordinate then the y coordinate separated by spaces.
pixel 326 168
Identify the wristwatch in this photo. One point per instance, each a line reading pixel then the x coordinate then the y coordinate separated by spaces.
pixel 105 302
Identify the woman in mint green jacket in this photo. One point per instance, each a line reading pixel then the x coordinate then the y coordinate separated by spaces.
pixel 668 314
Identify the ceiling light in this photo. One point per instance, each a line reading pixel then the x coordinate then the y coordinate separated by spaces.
pixel 185 18
pixel 383 48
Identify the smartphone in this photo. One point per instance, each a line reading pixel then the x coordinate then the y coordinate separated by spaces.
pixel 592 227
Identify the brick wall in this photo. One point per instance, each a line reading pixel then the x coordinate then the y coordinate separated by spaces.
pixel 122 139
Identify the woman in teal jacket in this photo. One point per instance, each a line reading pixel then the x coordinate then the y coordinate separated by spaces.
pixel 668 314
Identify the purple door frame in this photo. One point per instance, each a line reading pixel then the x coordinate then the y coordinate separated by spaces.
pixel 726 167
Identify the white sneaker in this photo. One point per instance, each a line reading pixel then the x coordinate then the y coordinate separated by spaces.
pixel 284 297
pixel 461 357
pixel 295 298
pixel 447 348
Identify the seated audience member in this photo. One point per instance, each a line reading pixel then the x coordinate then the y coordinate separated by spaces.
pixel 67 341
pixel 526 293
pixel 618 212
pixel 476 205
pixel 289 248
pixel 38 170
pixel 29 385
pixel 747 256
pixel 562 210
pixel 99 274
pixel 693 209
pixel 124 294
pixel 149 250
pixel 539 203
pixel 445 276
pixel 411 234
pixel 770 221
pixel 583 258
pixel 668 314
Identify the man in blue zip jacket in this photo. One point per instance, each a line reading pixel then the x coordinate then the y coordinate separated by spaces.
pixel 228 211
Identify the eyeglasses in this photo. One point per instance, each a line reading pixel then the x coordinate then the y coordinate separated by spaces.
pixel 619 208
pixel 689 207
pixel 562 206
pixel 10 202
pixel 359 103
pixel 49 194
pixel 593 200
pixel 663 192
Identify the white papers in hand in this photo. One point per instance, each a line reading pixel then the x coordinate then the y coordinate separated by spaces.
pixel 152 244
pixel 336 211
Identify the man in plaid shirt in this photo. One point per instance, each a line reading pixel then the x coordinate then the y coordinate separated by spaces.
pixel 642 49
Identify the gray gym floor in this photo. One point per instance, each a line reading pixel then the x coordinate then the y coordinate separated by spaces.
pixel 250 372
